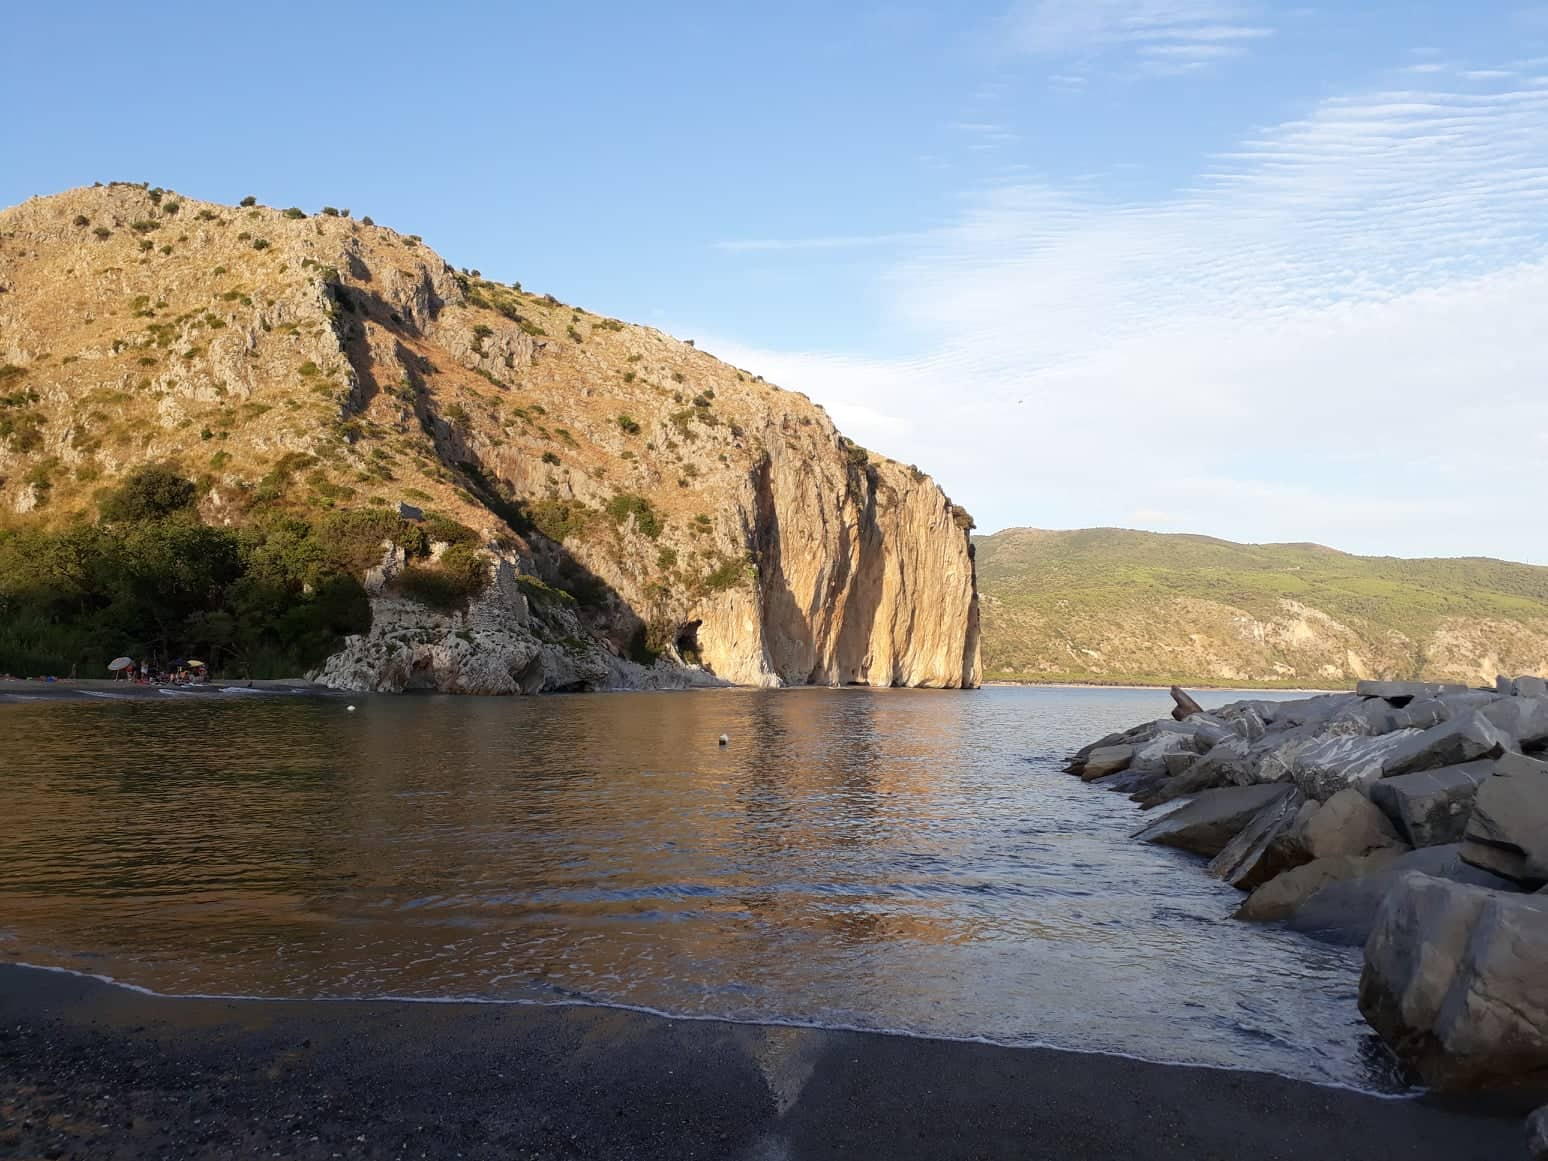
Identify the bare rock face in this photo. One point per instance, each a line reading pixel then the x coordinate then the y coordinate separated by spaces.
pixel 863 578
pixel 1453 982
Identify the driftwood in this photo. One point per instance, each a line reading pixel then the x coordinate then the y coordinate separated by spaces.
pixel 1186 706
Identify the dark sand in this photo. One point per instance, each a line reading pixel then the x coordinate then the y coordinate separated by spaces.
pixel 89 1070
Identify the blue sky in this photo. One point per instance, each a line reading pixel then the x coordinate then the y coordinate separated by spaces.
pixel 1263 271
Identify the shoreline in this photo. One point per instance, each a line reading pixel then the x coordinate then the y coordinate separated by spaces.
pixel 1000 682
pixel 203 1078
pixel 22 689
pixel 18 690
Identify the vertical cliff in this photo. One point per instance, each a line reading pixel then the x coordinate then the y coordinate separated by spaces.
pixel 687 511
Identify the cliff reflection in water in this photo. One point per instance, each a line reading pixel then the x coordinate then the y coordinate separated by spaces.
pixel 887 859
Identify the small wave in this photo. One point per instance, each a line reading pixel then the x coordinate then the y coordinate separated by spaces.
pixel 573 999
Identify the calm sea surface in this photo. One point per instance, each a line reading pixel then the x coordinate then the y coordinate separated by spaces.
pixel 901 860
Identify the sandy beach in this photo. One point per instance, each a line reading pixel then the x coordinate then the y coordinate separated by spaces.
pixel 92 1070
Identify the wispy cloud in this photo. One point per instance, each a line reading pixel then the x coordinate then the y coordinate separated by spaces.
pixel 836 242
pixel 1156 36
pixel 985 134
pixel 1353 297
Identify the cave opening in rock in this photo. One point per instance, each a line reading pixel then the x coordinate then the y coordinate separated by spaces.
pixel 687 643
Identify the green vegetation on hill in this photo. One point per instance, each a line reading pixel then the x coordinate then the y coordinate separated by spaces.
pixel 1113 605
pixel 149 579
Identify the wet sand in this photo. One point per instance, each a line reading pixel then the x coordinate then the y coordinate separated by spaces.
pixel 90 1070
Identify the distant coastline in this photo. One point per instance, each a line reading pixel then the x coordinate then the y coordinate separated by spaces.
pixel 1122 683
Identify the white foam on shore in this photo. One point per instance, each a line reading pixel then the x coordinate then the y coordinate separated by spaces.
pixel 640 1009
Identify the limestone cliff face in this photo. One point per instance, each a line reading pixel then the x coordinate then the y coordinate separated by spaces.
pixel 863 578
pixel 701 518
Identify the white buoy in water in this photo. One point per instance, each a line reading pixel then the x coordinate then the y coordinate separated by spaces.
pixel 725 740
pixel 350 708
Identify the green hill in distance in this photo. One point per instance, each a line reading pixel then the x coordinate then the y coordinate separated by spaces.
pixel 1110 605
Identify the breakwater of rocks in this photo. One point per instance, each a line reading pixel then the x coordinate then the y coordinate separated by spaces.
pixel 1408 817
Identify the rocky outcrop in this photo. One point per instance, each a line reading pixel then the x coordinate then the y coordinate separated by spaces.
pixel 1454 981
pixel 697 513
pixel 1312 805
pixel 503 642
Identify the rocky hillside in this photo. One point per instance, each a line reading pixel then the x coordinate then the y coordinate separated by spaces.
pixel 290 361
pixel 1114 605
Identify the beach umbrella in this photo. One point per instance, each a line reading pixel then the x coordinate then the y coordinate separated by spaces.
pixel 120 663
pixel 192 664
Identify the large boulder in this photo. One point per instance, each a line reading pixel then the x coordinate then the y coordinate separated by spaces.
pixel 1466 701
pixel 1346 824
pixel 1105 760
pixel 1281 895
pixel 1463 739
pixel 1454 983
pixel 1421 714
pixel 1309 711
pixel 1395 690
pixel 1078 758
pixel 1370 717
pixel 1344 912
pixel 1523 719
pixel 1265 847
pixel 1250 723
pixel 1272 758
pixel 1211 820
pixel 1537 1135
pixel 1151 757
pixel 1198 777
pixel 1135 736
pixel 1324 767
pixel 1507 832
pixel 1431 807
pixel 1208 730
pixel 1226 762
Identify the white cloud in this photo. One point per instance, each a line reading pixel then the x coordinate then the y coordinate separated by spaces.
pixel 1334 334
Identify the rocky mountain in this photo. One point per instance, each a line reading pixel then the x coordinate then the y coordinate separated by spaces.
pixel 669 505
pixel 1112 605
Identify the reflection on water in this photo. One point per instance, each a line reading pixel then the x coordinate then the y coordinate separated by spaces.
pixel 879 859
